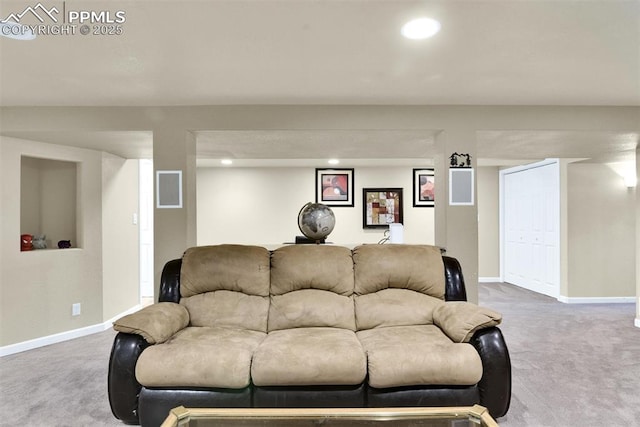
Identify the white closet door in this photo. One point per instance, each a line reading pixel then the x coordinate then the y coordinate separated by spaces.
pixel 531 221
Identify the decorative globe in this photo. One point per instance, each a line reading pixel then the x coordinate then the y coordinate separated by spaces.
pixel 316 221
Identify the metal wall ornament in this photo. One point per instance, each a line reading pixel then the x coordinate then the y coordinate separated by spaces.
pixel 460 160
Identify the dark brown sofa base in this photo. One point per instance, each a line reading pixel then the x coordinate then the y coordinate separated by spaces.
pixel 155 404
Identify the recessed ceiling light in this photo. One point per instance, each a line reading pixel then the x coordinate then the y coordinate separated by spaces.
pixel 333 161
pixel 226 161
pixel 13 30
pixel 421 28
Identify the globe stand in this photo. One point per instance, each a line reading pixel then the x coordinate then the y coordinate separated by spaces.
pixel 303 240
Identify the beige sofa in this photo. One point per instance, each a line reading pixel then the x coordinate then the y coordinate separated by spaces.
pixel 306 317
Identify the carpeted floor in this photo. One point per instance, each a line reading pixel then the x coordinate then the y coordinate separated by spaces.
pixel 573 365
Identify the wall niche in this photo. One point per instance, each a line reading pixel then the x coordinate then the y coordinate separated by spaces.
pixel 48 200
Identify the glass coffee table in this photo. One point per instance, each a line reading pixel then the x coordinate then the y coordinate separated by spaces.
pixel 462 416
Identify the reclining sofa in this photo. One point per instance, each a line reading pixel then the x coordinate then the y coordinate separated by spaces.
pixel 308 326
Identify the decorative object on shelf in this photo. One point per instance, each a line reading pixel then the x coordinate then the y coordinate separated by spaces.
pixel 64 244
pixel 381 207
pixel 460 160
pixel 40 241
pixel 334 187
pixel 316 221
pixel 424 185
pixel 26 242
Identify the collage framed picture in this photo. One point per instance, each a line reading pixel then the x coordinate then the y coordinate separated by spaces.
pixel 424 184
pixel 334 187
pixel 381 207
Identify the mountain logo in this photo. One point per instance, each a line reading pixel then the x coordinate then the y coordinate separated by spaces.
pixel 39 11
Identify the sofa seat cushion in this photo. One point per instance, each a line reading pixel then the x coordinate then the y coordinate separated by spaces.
pixel 309 356
pixel 200 357
pixel 418 355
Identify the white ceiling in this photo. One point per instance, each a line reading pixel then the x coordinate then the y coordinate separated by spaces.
pixel 493 52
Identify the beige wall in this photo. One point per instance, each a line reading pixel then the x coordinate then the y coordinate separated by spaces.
pixel 488 222
pixel 38 288
pixel 597 230
pixel 601 233
pixel 31 195
pixel 261 205
pixel 120 244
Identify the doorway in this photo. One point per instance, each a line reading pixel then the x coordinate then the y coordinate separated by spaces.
pixel 146 231
pixel 530 226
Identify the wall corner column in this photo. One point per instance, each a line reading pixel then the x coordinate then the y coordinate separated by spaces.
pixel 174 228
pixel 456 227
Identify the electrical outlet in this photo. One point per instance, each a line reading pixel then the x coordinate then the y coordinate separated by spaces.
pixel 75 309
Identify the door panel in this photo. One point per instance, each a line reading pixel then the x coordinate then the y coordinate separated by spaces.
pixel 532 228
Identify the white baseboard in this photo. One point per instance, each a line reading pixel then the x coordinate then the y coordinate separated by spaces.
pixel 637 322
pixel 596 300
pixel 489 279
pixel 63 336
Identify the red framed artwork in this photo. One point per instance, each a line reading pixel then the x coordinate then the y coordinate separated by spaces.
pixel 334 187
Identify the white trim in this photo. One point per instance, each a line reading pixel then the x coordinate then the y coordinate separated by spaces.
pixel 597 300
pixel 637 322
pixel 63 336
pixel 489 279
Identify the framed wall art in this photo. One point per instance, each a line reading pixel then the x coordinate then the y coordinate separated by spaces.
pixel 424 184
pixel 334 187
pixel 381 207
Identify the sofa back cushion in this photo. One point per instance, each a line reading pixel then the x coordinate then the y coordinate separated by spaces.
pixel 311 286
pixel 397 285
pixel 226 285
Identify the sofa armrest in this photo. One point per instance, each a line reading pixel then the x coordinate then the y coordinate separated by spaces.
pixel 495 384
pixel 122 386
pixel 155 323
pixel 455 289
pixel 460 320
pixel 170 281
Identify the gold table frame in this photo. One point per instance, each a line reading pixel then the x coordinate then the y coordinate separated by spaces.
pixel 181 416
